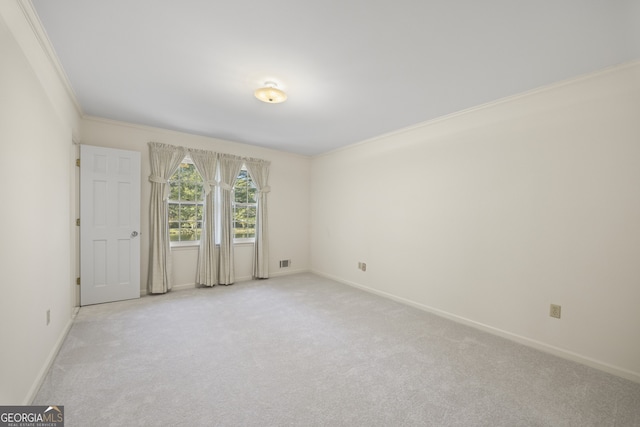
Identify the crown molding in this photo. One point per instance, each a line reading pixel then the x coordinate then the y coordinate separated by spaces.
pixel 630 65
pixel 37 28
pixel 171 136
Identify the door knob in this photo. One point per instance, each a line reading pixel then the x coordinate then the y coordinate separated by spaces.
pixel 134 233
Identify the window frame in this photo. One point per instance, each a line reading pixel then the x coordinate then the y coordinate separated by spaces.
pixel 236 240
pixel 184 243
pixel 254 205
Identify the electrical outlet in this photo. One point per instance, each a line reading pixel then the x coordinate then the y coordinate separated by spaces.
pixel 48 317
pixel 364 266
pixel 555 311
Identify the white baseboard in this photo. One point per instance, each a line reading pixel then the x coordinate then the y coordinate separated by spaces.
pixel 538 345
pixel 183 286
pixel 237 279
pixel 287 272
pixel 49 360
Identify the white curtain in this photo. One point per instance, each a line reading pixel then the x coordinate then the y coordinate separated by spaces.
pixel 259 170
pixel 164 159
pixel 206 164
pixel 229 168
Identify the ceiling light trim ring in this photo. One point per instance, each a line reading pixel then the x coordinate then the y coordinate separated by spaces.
pixel 270 93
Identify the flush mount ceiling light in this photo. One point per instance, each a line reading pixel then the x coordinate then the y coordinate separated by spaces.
pixel 270 93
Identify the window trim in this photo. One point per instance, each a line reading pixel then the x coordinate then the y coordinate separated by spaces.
pixel 244 240
pixel 184 243
pixel 196 243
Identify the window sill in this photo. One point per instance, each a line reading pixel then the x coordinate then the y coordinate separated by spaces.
pixel 181 246
pixel 239 242
pixel 185 246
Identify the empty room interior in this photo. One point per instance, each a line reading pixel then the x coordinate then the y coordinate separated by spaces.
pixel 417 171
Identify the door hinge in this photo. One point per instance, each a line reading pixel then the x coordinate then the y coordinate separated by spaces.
pixel 78 162
pixel 78 222
pixel 77 281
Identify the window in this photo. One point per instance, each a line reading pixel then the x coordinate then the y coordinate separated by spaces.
pixel 186 200
pixel 185 204
pixel 244 207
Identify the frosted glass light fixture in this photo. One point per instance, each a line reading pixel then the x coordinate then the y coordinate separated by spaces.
pixel 270 93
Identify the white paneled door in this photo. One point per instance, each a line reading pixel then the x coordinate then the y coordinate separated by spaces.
pixel 109 225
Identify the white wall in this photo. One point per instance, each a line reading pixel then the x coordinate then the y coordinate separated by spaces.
pixel 288 200
pixel 37 121
pixel 490 215
pixel 487 216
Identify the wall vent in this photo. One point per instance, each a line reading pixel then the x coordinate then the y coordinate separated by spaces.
pixel 285 263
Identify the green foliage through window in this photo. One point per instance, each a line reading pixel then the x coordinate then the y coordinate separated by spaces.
pixel 244 206
pixel 185 204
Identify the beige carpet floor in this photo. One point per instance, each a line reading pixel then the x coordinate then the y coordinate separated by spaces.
pixel 302 350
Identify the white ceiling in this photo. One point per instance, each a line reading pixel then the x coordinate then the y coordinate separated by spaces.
pixel 352 69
